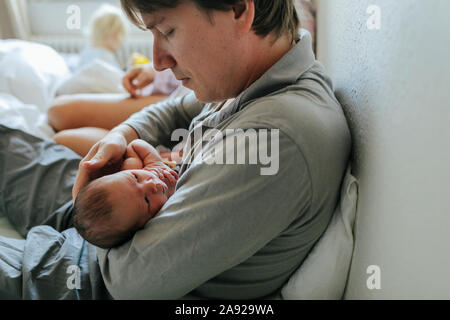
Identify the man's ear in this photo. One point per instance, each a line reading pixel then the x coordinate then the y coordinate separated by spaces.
pixel 245 11
pixel 239 8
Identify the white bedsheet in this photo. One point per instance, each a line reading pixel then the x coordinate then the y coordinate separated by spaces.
pixel 16 114
pixel 96 77
pixel 31 75
pixel 31 72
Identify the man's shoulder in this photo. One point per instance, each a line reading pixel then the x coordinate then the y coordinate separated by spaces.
pixel 308 114
pixel 310 96
pixel 297 110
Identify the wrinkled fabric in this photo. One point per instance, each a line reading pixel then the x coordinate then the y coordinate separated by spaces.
pixel 36 180
pixel 228 232
pixel 53 262
pixel 11 255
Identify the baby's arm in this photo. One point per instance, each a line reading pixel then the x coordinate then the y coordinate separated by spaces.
pixel 132 160
pixel 146 153
pixel 140 154
pixel 145 156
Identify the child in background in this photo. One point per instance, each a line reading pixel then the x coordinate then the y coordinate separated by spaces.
pixel 107 32
pixel 109 210
pixel 94 99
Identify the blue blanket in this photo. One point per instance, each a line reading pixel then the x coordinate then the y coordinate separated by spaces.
pixel 53 262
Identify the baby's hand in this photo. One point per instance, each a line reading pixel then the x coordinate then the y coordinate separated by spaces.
pixel 163 171
pixel 145 151
pixel 165 174
pixel 132 164
pixel 132 160
pixel 151 161
pixel 156 183
pixel 171 176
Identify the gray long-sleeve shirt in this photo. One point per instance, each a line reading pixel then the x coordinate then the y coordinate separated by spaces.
pixel 230 231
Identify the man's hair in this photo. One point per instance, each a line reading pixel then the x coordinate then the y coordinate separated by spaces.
pixel 93 218
pixel 271 16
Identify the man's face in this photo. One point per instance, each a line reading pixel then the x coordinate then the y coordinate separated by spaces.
pixel 136 195
pixel 208 56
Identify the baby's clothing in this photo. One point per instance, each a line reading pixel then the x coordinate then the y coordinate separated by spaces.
pixel 89 54
pixel 165 83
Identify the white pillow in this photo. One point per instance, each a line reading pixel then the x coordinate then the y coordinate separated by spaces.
pixel 323 274
pixel 31 72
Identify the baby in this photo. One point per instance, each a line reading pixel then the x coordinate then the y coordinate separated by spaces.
pixel 109 210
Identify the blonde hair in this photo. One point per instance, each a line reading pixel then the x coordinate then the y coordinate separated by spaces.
pixel 107 22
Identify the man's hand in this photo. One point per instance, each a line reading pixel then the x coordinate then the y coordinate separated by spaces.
pixel 138 78
pixel 105 157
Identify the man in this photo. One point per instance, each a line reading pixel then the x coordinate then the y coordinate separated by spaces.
pixel 232 230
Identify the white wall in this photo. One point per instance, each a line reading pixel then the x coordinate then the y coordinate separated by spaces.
pixel 48 21
pixel 395 87
pixel 50 17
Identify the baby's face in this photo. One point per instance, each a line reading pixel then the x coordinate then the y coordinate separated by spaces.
pixel 137 195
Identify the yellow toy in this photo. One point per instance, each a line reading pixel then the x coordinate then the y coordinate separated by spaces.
pixel 138 59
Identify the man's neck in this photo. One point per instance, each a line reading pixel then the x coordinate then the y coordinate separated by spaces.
pixel 266 53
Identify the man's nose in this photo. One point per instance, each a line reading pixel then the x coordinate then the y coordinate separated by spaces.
pixel 162 59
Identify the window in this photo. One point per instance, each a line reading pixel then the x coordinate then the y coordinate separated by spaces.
pixel 51 22
pixel 56 17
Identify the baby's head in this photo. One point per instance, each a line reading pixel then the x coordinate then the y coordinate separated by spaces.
pixel 109 210
pixel 108 28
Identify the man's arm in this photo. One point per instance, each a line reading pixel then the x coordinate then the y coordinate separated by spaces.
pixel 156 123
pixel 126 131
pixel 219 216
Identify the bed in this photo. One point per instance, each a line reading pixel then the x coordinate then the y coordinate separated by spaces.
pixel 31 75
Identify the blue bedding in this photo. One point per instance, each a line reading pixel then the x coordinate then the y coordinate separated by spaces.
pixel 53 261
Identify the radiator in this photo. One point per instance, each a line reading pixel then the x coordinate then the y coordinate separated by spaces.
pixel 76 44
